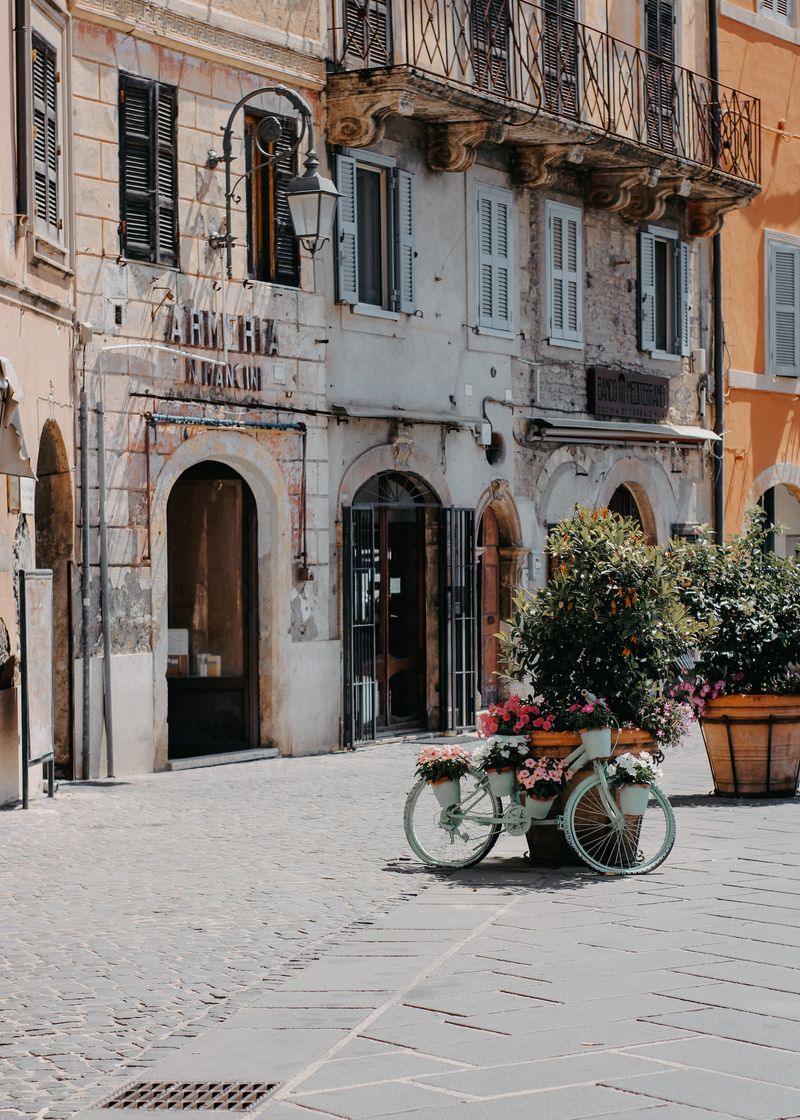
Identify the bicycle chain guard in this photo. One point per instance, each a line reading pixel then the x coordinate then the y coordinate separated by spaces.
pixel 515 820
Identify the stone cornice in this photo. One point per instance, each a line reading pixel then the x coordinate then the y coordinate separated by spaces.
pixel 176 30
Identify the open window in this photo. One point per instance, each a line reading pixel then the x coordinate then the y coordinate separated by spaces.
pixel 272 251
pixel 377 234
pixel 664 293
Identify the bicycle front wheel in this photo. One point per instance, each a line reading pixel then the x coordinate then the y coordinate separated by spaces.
pixel 459 836
pixel 634 847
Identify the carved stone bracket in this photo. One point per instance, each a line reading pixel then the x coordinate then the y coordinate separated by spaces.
pixel 705 216
pixel 359 120
pixel 648 203
pixel 453 147
pixel 611 190
pixel 535 165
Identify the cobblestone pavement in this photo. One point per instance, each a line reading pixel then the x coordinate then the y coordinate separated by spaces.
pixel 237 925
pixel 133 913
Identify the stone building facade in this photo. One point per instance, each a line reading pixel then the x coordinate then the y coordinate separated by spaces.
pixel 213 386
pixel 36 346
pixel 537 336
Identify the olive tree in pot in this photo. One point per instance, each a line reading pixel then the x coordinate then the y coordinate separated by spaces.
pixel 747 693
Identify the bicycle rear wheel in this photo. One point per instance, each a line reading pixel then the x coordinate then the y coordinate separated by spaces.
pixel 459 836
pixel 640 845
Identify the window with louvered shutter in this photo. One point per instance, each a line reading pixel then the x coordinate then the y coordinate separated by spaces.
pixel 780 9
pixel 272 250
pixel 405 242
pixel 784 309
pixel 44 105
pixel 367 32
pixel 148 170
pixel 565 274
pixel 665 285
pixel 661 89
pixel 489 45
pixel 559 44
pixel 494 237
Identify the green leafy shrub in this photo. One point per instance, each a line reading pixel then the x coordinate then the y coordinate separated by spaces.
pixel 610 621
pixel 749 601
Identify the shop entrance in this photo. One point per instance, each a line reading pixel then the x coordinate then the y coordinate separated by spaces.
pixel 409 611
pixel 212 660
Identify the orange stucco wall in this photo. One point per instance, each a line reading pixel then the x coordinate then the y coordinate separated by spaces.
pixel 763 428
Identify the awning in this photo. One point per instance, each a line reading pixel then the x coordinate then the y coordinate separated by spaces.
pixel 561 429
pixel 14 457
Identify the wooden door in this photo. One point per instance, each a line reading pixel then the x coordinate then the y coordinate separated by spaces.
pixel 488 542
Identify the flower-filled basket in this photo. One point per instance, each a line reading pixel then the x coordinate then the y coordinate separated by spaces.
pixel 443 768
pixel 593 721
pixel 631 778
pixel 540 781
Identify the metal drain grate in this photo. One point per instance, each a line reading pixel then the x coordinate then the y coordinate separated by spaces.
pixel 213 1096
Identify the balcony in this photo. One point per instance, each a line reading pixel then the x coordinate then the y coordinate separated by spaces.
pixel 556 91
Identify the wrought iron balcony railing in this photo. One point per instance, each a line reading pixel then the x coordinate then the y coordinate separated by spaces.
pixel 538 63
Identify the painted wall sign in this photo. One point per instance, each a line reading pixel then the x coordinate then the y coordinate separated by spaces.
pixel 627 394
pixel 211 330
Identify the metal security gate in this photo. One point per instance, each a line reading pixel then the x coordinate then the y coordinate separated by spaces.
pixel 458 618
pixel 360 593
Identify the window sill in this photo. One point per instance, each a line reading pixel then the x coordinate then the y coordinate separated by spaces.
pixel 569 343
pixel 49 254
pixel 662 356
pixel 374 312
pixel 492 332
pixel 136 262
pixel 762 21
pixel 785 384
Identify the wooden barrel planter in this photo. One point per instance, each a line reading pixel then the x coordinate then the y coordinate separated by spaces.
pixel 753 744
pixel 548 846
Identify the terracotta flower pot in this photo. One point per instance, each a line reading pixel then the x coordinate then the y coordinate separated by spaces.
pixel 753 744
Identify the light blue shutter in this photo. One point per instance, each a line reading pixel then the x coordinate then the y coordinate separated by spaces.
pixel 565 267
pixel 780 8
pixel 495 254
pixel 347 219
pixel 784 309
pixel 405 242
pixel 647 292
pixel 684 300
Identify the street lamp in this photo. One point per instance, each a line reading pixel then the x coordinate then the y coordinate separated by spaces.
pixel 311 197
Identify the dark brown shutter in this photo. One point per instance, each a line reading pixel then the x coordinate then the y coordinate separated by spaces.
pixel 148 170
pixel 661 93
pixel 366 31
pixel 489 23
pixel 560 57
pixel 285 255
pixel 45 136
pixel 166 175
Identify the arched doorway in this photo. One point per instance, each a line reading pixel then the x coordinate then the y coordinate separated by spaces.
pixel 489 604
pixel 630 501
pixel 53 526
pixel 212 658
pixel 393 522
pixel 781 503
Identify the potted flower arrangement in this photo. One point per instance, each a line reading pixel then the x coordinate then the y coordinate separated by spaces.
pixel 443 768
pixel 632 778
pixel 593 721
pixel 540 781
pixel 499 762
pixel 747 693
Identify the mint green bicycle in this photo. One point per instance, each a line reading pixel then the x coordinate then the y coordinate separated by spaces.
pixel 605 838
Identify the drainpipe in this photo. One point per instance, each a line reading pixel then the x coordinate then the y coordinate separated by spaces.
pixel 22 62
pixel 105 589
pixel 718 450
pixel 85 590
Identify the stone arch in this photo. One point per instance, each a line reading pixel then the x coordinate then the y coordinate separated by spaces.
pixel 781 474
pixel 649 484
pixel 387 459
pixel 250 458
pixel 500 569
pixel 53 543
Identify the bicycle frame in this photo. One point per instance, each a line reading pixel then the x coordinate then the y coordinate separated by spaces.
pixel 579 759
